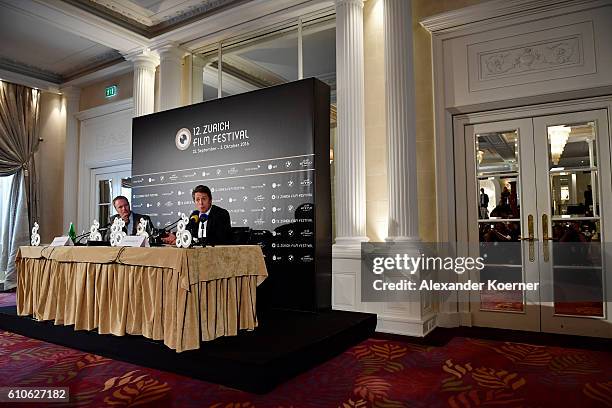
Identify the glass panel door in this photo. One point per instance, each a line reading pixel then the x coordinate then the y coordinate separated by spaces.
pixel 573 174
pixel 500 177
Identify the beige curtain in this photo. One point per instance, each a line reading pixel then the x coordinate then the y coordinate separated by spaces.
pixel 19 121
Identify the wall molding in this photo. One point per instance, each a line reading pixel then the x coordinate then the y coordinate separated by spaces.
pixel 107 109
pixel 498 11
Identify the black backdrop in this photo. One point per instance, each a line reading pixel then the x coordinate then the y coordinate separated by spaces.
pixel 264 154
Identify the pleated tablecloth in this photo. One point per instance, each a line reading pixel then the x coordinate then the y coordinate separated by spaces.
pixel 180 296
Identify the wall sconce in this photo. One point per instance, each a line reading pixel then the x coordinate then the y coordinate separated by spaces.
pixel 331 155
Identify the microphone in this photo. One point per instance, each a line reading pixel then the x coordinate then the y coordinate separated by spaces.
pixel 195 216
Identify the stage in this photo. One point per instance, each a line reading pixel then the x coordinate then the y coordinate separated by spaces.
pixel 285 344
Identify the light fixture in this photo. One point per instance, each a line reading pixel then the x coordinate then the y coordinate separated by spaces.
pixel 557 137
pixel 331 156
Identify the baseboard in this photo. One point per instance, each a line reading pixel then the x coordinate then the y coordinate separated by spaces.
pixel 449 320
pixel 406 326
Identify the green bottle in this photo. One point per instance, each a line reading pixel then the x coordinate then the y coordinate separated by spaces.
pixel 71 232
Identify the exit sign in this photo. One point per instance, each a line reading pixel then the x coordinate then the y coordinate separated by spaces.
pixel 110 91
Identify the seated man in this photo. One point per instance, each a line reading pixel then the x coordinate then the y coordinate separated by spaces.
pixel 213 222
pixel 131 219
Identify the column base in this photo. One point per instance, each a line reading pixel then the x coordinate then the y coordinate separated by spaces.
pixel 348 247
pixel 403 239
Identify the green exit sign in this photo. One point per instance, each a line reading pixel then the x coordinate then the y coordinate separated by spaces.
pixel 110 91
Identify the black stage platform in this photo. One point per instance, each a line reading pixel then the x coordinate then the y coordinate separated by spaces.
pixel 285 344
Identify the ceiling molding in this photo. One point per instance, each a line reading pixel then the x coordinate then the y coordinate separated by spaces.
pixel 90 67
pixel 29 71
pixel 151 24
pixel 496 11
pixel 21 79
pixel 74 20
pixel 100 63
pixel 114 70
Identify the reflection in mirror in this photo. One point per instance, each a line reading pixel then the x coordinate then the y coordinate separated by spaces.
pixel 500 231
pixel 498 198
pixel 105 191
pixel 205 77
pixel 506 300
pixel 103 214
pixel 497 152
pixel 578 292
pixel 259 62
pixel 574 194
pixel 319 52
pixel 572 146
pixel 576 231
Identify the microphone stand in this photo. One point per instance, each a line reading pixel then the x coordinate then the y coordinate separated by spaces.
pixel 158 233
pixel 83 235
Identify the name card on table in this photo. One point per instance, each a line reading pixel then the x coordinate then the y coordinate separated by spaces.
pixel 135 241
pixel 62 241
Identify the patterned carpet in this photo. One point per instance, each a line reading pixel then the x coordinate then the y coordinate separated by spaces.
pixel 376 373
pixel 7 299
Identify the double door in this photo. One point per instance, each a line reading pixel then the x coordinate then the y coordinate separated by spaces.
pixel 538 195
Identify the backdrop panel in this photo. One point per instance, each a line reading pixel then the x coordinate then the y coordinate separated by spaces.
pixel 265 156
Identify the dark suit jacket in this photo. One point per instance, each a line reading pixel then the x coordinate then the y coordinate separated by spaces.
pixel 132 228
pixel 218 228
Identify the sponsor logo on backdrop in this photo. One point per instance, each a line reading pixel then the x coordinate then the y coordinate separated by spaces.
pixel 183 139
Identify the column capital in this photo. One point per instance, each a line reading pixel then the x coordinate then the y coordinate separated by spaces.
pixel 145 59
pixel 170 51
pixel 349 3
pixel 198 61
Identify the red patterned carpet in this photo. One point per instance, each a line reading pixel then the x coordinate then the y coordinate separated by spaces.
pixel 376 373
pixel 7 299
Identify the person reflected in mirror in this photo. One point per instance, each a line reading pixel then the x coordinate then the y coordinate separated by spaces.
pixel 484 204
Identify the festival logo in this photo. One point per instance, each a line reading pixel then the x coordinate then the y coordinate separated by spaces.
pixel 183 139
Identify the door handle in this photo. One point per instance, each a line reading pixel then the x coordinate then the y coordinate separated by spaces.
pixel 545 237
pixel 531 238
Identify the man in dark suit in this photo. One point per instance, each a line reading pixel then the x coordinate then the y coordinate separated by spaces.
pixel 209 223
pixel 131 219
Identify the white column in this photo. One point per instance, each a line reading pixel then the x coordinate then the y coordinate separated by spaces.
pixel 401 129
pixel 350 150
pixel 71 97
pixel 144 82
pixel 170 73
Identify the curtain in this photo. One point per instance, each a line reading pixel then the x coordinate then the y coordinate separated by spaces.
pixel 19 121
